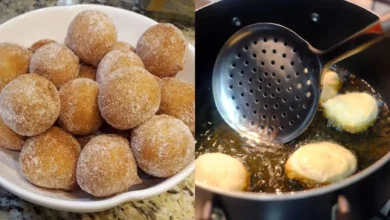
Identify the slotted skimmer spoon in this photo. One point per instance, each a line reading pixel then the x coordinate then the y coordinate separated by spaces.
pixel 266 79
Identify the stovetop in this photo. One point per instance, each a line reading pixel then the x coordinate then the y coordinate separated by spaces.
pixel 384 213
pixel 377 6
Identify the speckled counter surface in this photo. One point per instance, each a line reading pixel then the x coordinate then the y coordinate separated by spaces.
pixel 177 203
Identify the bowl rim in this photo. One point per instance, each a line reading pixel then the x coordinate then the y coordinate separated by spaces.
pixel 99 204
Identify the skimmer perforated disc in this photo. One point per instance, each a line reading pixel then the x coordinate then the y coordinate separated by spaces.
pixel 265 83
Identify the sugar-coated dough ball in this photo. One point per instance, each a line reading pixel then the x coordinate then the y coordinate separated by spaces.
pixel 106 166
pixel 49 160
pixel 128 97
pixel 38 44
pixel 353 112
pixel 120 45
pixel 178 100
pixel 162 146
pixel 163 49
pixel 331 84
pixel 29 104
pixel 56 63
pixel 222 171
pixel 9 139
pixel 320 163
pixel 115 60
pixel 86 71
pixel 14 61
pixel 91 35
pixel 79 107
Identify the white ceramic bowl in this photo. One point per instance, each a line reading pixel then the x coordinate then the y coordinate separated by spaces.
pixel 52 23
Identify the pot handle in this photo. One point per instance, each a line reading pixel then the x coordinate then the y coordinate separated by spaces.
pixel 359 41
pixel 217 214
pixel 210 211
pixel 340 210
pixel 207 207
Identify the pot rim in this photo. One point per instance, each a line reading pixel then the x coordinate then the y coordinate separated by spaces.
pixel 304 193
pixel 299 194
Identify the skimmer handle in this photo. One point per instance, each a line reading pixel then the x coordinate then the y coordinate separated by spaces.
pixel 358 42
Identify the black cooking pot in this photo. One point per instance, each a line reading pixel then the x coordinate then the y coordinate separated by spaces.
pixel 323 23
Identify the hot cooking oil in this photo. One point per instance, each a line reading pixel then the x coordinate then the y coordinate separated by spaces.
pixel 266 163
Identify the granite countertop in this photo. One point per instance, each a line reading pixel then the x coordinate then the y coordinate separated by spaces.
pixel 177 203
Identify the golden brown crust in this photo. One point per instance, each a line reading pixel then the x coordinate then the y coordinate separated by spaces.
pixel 162 146
pixel 163 50
pixel 91 35
pixel 303 181
pixel 115 60
pixel 86 71
pixel 178 100
pixel 29 104
pixel 106 166
pixel 79 108
pixel 49 159
pixel 14 62
pixel 9 139
pixel 38 44
pixel 56 63
pixel 128 97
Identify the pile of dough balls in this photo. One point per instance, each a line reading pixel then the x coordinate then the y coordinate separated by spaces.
pixel 90 112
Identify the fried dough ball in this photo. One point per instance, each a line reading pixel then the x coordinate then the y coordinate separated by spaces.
pixel 86 71
pixel 222 171
pixel 14 61
pixel 9 139
pixel 120 45
pixel 128 97
pixel 115 60
pixel 320 163
pixel 331 84
pixel 353 112
pixel 106 166
pixel 178 100
pixel 38 44
pixel 29 104
pixel 162 146
pixel 91 35
pixel 79 108
pixel 163 49
pixel 56 63
pixel 49 160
